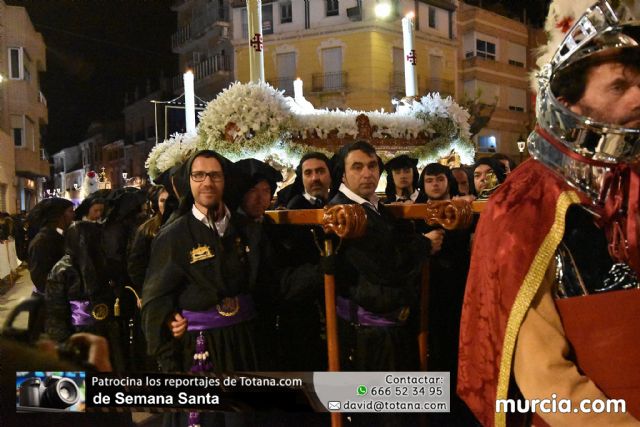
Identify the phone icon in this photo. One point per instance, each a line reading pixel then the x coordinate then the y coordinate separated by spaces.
pixel 362 390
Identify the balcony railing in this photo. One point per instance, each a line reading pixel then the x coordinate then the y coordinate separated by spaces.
pixel 329 82
pixel 445 87
pixel 181 36
pixel 210 66
pixel 283 83
pixel 203 19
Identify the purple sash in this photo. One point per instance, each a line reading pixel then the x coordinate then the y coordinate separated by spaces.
pixel 230 312
pixel 80 314
pixel 364 317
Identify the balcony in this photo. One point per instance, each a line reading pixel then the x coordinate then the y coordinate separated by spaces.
pixel 211 66
pixel 329 82
pixel 283 83
pixel 443 86
pixel 205 19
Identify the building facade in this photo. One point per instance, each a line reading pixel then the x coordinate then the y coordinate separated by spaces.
pixel 23 111
pixel 496 58
pixel 346 56
pixel 202 42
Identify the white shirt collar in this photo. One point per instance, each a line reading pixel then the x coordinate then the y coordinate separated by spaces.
pixel 309 197
pixel 353 196
pixel 412 197
pixel 60 231
pixel 221 225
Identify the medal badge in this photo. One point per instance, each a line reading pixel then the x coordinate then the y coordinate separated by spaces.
pixel 100 311
pixel 201 252
pixel 229 306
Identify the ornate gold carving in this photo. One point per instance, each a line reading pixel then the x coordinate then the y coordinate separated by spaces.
pixel 450 214
pixel 345 221
pixel 364 127
pixel 229 129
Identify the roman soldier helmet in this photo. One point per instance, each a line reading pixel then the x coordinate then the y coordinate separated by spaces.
pixel 579 147
pixel 601 160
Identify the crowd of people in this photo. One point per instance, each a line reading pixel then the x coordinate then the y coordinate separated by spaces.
pixel 193 266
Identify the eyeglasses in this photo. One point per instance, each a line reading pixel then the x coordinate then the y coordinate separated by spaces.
pixel 201 176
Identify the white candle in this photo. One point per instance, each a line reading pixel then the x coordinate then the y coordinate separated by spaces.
pixel 189 103
pixel 256 41
pixel 297 89
pixel 410 75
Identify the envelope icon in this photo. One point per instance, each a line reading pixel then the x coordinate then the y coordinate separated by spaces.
pixel 334 406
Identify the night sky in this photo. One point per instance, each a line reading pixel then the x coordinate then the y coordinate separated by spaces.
pixel 97 51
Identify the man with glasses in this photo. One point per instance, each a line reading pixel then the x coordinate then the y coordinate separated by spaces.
pixel 198 293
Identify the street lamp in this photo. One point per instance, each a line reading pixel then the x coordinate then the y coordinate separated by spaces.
pixel 521 146
pixel 383 9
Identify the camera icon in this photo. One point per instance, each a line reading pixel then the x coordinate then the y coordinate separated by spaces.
pixel 54 392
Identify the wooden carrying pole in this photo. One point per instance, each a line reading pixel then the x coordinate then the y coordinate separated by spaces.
pixel 450 215
pixel 345 221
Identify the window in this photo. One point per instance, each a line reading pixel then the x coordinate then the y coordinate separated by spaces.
pixel 333 8
pixel 517 55
pixel 286 71
pixel 487 144
pixel 432 17
pixel 485 49
pixel 267 21
pixel 517 99
pixel 286 14
pixel 17 131
pixel 3 197
pixel 16 66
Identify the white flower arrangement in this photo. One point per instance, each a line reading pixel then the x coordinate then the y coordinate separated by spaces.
pixel 171 152
pixel 255 120
pixel 255 109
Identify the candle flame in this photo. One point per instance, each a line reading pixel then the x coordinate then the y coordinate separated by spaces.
pixel 410 15
pixel 188 71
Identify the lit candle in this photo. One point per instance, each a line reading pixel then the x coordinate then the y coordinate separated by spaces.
pixel 189 103
pixel 410 76
pixel 256 45
pixel 297 89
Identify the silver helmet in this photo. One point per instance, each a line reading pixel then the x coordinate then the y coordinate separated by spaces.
pixel 583 147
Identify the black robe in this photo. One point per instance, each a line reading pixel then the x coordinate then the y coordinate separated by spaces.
pixel 381 273
pixel 240 266
pixel 65 283
pixel 46 248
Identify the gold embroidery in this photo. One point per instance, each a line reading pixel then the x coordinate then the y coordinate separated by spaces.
pixel 100 311
pixel 527 291
pixel 201 252
pixel 229 307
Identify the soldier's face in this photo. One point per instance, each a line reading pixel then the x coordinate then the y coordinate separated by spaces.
pixel 257 200
pixel 611 95
pixel 402 178
pixel 436 186
pixel 208 193
pixel 362 173
pixel 316 178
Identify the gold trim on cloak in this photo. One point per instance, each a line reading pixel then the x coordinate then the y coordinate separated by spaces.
pixel 525 295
